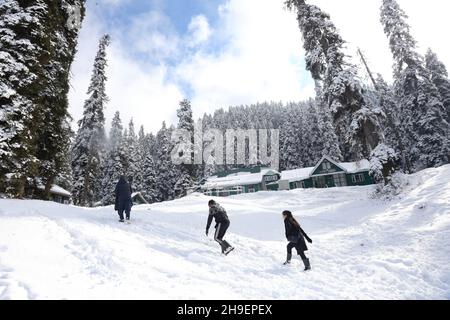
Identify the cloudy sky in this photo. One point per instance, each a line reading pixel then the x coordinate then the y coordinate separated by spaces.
pixel 221 53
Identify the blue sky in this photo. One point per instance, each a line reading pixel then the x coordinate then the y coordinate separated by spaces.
pixel 179 11
pixel 221 53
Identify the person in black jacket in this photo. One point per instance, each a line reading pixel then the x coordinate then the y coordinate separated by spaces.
pixel 296 237
pixel 222 224
pixel 123 198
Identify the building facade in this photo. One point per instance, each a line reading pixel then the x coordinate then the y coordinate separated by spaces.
pixel 326 174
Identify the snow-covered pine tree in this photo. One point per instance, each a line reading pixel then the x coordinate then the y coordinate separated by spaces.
pixel 439 76
pixel 327 135
pixel 356 123
pixel 291 136
pixel 52 140
pixel 149 187
pixel 32 33
pixel 115 161
pixel 115 133
pixel 19 73
pixel 391 122
pixel 185 172
pixel 150 191
pixel 132 153
pixel 165 175
pixel 209 166
pixel 88 148
pixel 141 154
pixel 425 130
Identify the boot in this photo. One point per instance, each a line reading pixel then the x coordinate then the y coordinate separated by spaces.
pixel 288 259
pixel 226 247
pixel 307 264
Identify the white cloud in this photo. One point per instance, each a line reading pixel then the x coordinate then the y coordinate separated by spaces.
pixel 261 61
pixel 199 29
pixel 151 33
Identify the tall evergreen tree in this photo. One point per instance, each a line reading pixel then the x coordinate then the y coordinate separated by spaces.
pixel 392 128
pixel 166 173
pixel 149 187
pixel 185 172
pixel 88 148
pixel 132 152
pixel 116 132
pixel 439 76
pixel 355 121
pixel 37 48
pixel 52 140
pixel 142 150
pixel 425 130
pixel 115 161
pixel 328 139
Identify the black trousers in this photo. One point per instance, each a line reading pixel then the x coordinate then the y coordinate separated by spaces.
pixel 300 252
pixel 125 207
pixel 221 229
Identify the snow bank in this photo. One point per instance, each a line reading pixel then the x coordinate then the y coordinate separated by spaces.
pixel 363 248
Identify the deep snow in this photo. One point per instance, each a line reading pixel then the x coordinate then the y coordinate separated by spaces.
pixel 362 248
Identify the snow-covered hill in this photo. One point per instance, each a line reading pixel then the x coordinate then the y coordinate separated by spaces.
pixel 363 248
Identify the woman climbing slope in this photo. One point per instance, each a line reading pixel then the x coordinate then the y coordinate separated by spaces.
pixel 296 237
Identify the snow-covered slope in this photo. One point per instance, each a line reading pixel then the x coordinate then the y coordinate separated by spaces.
pixel 363 248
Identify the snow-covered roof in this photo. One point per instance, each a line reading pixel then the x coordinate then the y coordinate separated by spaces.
pixel 305 173
pixel 353 167
pixel 297 174
pixel 57 190
pixel 138 195
pixel 237 179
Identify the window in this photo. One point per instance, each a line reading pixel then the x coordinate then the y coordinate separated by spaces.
pixel 300 185
pixel 340 180
pixel 251 189
pixel 326 165
pixel 358 178
pixel 271 178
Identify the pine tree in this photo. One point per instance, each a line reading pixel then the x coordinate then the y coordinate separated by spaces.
pixel 166 173
pixel 19 73
pixel 392 128
pixel 52 140
pixel 185 172
pixel 439 76
pixel 150 187
pixel 291 137
pixel 115 133
pixel 32 34
pixel 132 153
pixel 425 130
pixel 88 149
pixel 142 150
pixel 147 185
pixel 327 135
pixel 115 161
pixel 356 123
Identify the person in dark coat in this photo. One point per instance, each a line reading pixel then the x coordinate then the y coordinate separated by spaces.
pixel 296 237
pixel 222 225
pixel 123 198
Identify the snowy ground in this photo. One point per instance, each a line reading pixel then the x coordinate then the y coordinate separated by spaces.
pixel 363 248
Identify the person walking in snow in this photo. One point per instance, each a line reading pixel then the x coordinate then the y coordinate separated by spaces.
pixel 222 224
pixel 296 237
pixel 123 198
